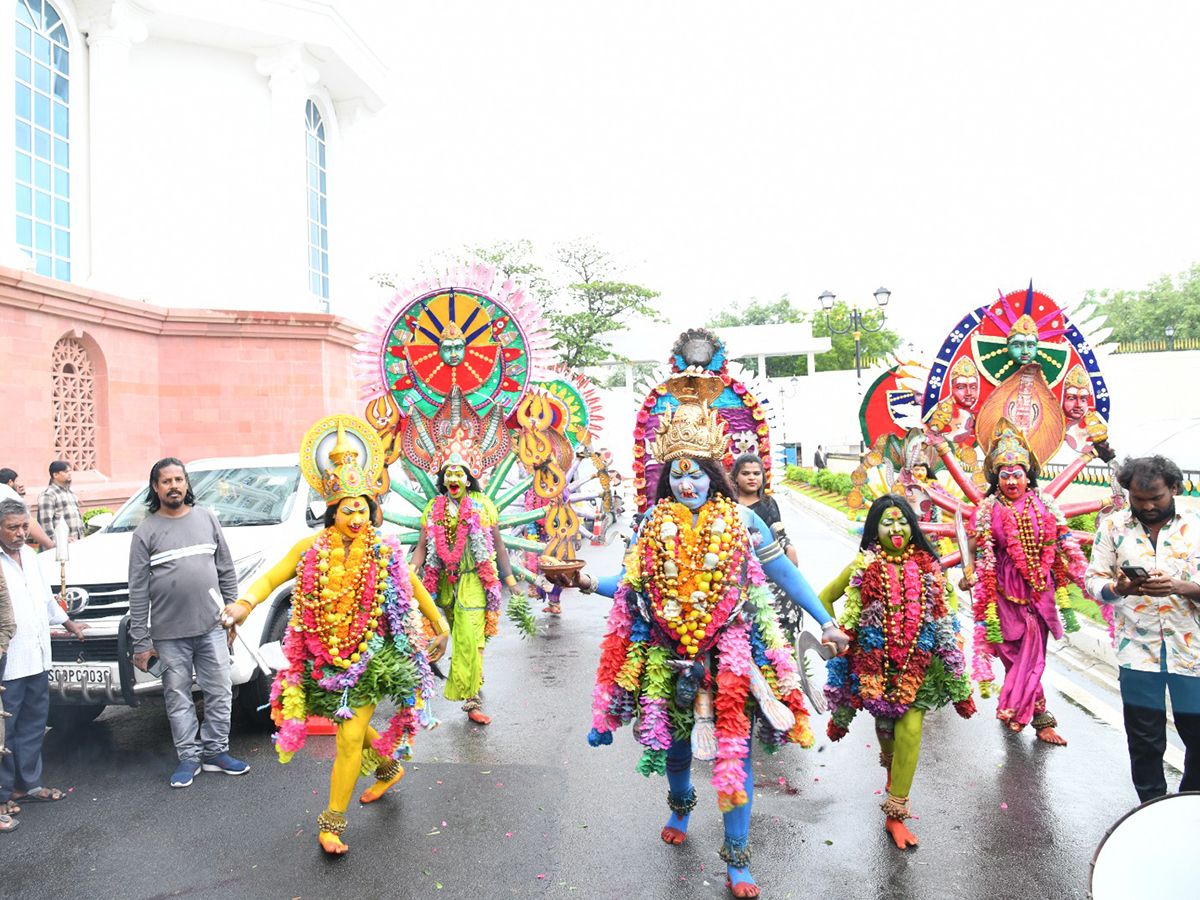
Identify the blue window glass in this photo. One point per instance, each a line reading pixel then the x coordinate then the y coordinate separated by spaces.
pixel 318 221
pixel 42 132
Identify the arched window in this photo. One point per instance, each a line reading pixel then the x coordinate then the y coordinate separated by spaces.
pixel 74 400
pixel 318 221
pixel 43 138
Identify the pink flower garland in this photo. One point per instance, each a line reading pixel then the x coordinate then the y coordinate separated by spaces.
pixel 613 651
pixel 733 727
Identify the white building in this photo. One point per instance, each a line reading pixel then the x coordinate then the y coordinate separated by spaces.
pixel 187 152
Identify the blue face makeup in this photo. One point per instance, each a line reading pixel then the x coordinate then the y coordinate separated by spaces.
pixel 689 483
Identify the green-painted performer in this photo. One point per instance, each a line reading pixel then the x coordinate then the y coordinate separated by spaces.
pixel 460 550
pixel 904 657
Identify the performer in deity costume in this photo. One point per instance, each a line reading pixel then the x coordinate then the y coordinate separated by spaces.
pixel 463 559
pixel 1025 556
pixel 955 416
pixel 693 650
pixel 904 657
pixel 356 634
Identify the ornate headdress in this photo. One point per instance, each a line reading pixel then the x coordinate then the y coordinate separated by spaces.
pixel 1024 325
pixel 455 435
pixel 693 429
pixel 1078 378
pixel 452 332
pixel 964 368
pixel 1008 447
pixel 335 471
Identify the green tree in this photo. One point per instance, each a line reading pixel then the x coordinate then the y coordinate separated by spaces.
pixel 759 312
pixel 1146 314
pixel 875 344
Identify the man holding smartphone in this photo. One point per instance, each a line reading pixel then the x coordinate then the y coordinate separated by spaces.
pixel 1146 566
pixel 177 555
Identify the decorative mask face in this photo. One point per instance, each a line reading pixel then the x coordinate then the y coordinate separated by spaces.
pixel 1014 482
pixel 352 516
pixel 452 350
pixel 1076 403
pixel 1022 347
pixel 965 391
pixel 920 473
pixel 456 481
pixel 894 531
pixel 689 483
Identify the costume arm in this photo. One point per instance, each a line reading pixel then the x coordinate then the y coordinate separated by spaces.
pixel 781 571
pixel 833 591
pixel 279 573
pixel 429 609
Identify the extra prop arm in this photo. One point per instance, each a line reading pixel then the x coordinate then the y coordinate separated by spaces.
pixel 1067 475
pixel 961 478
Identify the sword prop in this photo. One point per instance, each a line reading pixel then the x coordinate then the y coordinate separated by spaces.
pixel 805 642
pixel 253 651
pixel 964 546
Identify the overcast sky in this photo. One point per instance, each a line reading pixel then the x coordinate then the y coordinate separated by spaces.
pixel 729 151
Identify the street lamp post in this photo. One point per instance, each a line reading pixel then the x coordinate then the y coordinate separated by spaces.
pixel 1170 330
pixel 857 325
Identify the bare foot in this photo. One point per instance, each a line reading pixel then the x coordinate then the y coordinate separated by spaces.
pixel 1050 736
pixel 375 791
pixel 900 834
pixel 477 716
pixel 673 835
pixel 331 843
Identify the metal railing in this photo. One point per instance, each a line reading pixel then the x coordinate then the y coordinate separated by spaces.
pixel 1158 345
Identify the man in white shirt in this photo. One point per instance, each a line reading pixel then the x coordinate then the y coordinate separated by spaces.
pixel 12 488
pixel 27 663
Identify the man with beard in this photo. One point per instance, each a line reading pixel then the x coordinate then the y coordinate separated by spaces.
pixel 177 556
pixel 1146 565
pixel 58 501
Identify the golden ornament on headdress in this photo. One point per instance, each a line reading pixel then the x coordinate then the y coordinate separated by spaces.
pixel 1024 325
pixel 452 332
pixel 964 368
pixel 1008 447
pixel 344 475
pixel 1078 378
pixel 693 429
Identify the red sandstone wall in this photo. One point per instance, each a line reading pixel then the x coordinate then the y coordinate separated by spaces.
pixel 187 383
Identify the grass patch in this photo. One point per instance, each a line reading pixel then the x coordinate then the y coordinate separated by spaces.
pixel 829 499
pixel 1085 606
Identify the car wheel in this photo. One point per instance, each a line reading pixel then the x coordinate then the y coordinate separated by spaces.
pixel 73 716
pixel 256 692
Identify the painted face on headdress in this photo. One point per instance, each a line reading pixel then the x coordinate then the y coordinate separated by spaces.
pixel 1014 482
pixel 1077 402
pixel 689 483
pixel 1022 347
pixel 352 516
pixel 452 350
pixel 920 472
pixel 894 531
pixel 965 390
pixel 456 481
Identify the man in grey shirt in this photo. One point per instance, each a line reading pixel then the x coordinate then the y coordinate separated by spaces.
pixel 178 554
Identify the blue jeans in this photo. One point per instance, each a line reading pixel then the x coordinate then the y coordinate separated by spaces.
pixel 28 699
pixel 208 655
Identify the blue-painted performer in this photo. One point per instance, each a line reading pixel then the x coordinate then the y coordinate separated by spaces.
pixel 692 635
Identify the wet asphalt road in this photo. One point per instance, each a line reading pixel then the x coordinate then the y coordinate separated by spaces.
pixel 525 808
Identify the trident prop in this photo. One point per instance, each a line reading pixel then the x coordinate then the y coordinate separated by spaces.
pixel 62 540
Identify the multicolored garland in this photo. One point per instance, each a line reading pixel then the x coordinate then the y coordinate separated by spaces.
pixel 441 556
pixel 1035 528
pixel 360 617
pixel 634 678
pixel 896 625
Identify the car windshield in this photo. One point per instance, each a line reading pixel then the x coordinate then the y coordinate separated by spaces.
pixel 236 496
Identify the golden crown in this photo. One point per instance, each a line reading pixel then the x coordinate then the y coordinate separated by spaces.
pixel 1024 325
pixel 344 477
pixel 1009 448
pixel 1078 378
pixel 964 368
pixel 459 449
pixel 693 429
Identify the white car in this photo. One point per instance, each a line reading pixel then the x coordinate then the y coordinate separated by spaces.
pixel 264 506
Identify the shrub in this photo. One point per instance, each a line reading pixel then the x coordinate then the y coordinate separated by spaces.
pixel 800 474
pixel 1085 523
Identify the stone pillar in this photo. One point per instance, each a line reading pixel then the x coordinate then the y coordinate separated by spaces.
pixel 812 363
pixel 292 72
pixel 112 29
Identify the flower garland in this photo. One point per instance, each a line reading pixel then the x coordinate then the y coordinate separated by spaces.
pixel 471 531
pixel 335 632
pixel 634 679
pixel 897 617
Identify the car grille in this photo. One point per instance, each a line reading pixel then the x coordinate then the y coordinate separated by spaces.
pixel 95 650
pixel 104 600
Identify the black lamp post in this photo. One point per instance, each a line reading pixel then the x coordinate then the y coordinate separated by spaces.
pixel 1170 330
pixel 857 325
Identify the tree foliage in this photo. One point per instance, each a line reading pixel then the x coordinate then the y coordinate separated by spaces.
pixel 761 312
pixel 1145 314
pixel 875 344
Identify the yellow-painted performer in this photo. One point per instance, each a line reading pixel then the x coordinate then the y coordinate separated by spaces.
pixel 356 634
pixel 460 549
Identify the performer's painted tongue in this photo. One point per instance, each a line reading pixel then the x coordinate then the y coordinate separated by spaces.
pixel 894 530
pixel 456 481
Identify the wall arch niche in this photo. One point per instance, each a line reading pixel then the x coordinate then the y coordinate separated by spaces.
pixel 79 394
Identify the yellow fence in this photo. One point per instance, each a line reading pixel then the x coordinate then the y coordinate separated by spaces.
pixel 1157 345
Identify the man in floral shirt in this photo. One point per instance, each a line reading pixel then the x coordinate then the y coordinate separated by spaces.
pixel 1157 617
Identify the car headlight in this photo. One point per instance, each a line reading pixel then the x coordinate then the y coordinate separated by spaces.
pixel 246 566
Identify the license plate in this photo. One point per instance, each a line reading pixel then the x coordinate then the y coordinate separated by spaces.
pixel 78 674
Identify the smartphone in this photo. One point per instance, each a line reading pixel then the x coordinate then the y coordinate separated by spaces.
pixel 1134 573
pixel 155 667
